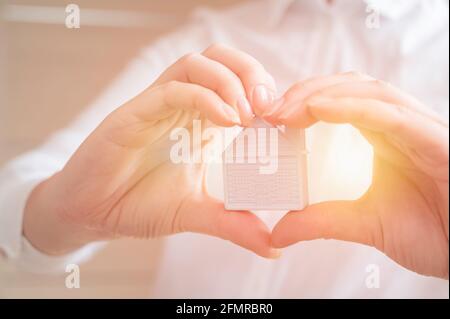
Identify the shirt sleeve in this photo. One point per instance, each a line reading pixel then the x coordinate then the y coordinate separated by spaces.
pixel 19 177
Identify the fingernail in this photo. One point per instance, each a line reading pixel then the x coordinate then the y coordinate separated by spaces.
pixel 232 114
pixel 275 253
pixel 262 98
pixel 244 105
pixel 316 100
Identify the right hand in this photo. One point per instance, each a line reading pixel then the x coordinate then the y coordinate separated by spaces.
pixel 121 182
pixel 404 213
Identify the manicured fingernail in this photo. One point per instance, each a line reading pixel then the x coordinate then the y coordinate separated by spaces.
pixel 232 115
pixel 262 98
pixel 316 100
pixel 275 253
pixel 244 105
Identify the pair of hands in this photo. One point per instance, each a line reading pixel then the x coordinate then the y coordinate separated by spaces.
pixel 120 182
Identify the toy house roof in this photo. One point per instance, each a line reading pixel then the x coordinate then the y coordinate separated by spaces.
pixel 290 143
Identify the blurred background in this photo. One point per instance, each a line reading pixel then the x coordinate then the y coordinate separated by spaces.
pixel 39 59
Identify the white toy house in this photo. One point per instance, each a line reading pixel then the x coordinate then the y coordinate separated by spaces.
pixel 265 168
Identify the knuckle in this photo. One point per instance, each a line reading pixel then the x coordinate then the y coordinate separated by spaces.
pixel 215 46
pixel 380 84
pixel 228 83
pixel 252 67
pixel 188 58
pixel 231 91
pixel 168 90
pixel 294 89
pixel 197 101
pixel 226 78
pixel 353 74
pixel 399 122
pixel 360 115
pixel 170 86
pixel 357 75
pixel 298 86
pixel 255 74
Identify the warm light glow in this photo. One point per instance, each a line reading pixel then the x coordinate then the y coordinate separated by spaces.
pixel 350 163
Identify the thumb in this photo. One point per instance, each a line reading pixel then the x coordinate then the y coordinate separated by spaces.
pixel 340 220
pixel 208 216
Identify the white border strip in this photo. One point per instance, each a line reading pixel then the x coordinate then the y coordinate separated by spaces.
pixel 88 17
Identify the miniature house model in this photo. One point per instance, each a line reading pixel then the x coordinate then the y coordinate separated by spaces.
pixel 264 168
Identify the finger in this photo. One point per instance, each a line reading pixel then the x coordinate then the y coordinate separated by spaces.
pixel 161 101
pixel 339 220
pixel 384 148
pixel 259 84
pixel 396 121
pixel 292 101
pixel 208 216
pixel 198 69
pixel 378 90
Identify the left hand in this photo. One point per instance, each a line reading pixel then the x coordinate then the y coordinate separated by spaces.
pixel 121 181
pixel 405 211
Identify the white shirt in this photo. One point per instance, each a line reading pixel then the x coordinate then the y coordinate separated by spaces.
pixel 294 40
